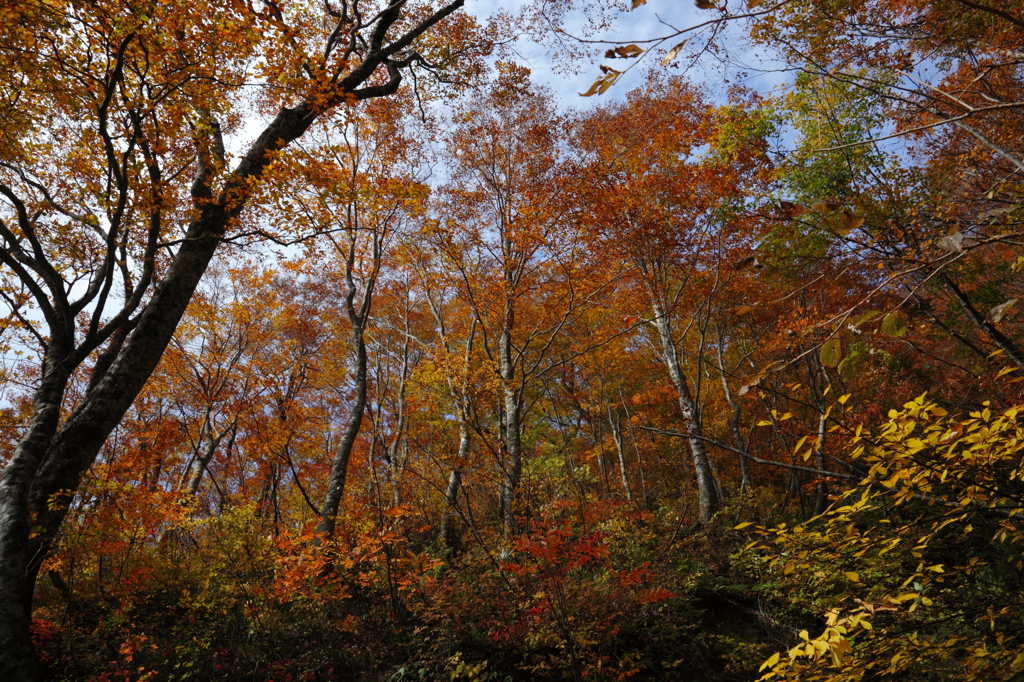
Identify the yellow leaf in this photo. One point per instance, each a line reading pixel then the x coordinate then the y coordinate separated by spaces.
pixel 601 85
pixel 772 660
pixel 852 576
pixel 849 222
pixel 593 88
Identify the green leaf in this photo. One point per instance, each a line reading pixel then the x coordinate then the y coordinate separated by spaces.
pixel 864 317
pixel 850 365
pixel 831 353
pixel 894 325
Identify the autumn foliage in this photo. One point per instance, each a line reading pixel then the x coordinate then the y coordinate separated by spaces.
pixel 440 378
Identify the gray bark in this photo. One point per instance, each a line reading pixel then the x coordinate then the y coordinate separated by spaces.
pixel 449 535
pixel 1013 352
pixel 512 464
pixel 616 429
pixel 706 491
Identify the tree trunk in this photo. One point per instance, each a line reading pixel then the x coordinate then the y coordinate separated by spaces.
pixel 38 483
pixel 708 496
pixel 513 462
pixel 449 535
pixel 339 469
pixel 202 462
pixel 734 422
pixel 1015 354
pixel 19 562
pixel 617 438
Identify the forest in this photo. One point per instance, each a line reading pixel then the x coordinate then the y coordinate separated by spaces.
pixel 336 347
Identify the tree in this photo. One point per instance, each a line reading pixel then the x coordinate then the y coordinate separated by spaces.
pixel 510 235
pixel 108 107
pixel 915 559
pixel 669 211
pixel 364 190
pixel 943 76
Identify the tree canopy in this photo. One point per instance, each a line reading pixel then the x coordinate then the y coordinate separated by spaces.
pixel 336 348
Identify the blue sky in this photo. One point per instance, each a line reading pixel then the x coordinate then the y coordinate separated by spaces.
pixel 567 79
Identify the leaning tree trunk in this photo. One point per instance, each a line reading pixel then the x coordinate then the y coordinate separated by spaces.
pixel 339 469
pixel 45 470
pixel 17 551
pixel 37 485
pixel 706 491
